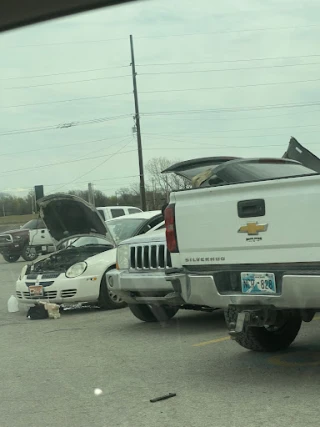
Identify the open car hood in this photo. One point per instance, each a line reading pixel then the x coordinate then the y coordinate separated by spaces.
pixel 299 153
pixel 66 215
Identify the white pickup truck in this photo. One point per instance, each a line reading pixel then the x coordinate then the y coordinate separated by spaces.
pixel 247 242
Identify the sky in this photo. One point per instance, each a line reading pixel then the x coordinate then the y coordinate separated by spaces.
pixel 214 78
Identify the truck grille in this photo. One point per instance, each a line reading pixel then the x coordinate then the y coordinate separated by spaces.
pixel 149 257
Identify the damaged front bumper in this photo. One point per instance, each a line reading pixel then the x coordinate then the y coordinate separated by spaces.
pixel 142 288
pixel 297 291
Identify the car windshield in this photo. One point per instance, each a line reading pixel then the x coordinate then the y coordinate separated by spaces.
pixel 33 224
pixel 122 229
pixel 78 242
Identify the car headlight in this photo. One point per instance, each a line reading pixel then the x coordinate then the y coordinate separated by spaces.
pixel 76 269
pixel 123 252
pixel 23 271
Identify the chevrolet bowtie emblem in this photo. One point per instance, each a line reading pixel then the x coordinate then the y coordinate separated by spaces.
pixel 253 228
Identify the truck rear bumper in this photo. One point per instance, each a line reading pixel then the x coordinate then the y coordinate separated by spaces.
pixel 142 288
pixel 298 291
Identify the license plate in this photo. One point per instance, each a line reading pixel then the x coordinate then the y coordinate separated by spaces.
pixel 36 291
pixel 44 248
pixel 258 283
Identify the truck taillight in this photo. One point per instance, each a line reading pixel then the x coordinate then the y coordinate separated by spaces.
pixel 171 235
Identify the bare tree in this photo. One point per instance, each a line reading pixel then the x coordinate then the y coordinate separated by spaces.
pixel 165 183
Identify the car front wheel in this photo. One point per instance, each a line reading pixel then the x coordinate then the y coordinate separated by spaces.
pixel 107 299
pixel 153 313
pixel 268 338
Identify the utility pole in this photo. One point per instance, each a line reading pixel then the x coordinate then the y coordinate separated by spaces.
pixel 91 194
pixel 137 122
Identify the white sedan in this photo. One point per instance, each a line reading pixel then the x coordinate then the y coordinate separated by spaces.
pixel 86 250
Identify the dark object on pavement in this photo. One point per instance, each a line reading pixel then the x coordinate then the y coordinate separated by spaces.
pixel 36 312
pixel 166 396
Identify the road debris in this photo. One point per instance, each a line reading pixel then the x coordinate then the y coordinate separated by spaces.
pixel 44 310
pixel 166 396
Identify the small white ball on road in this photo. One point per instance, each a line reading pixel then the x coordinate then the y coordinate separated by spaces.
pixel 98 391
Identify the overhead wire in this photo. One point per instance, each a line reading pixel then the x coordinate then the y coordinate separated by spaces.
pixel 64 125
pixel 96 167
pixel 231 109
pixel 66 100
pixel 228 69
pixel 57 147
pixel 54 164
pixel 233 31
pixel 64 73
pixel 67 82
pixel 230 61
pixel 230 87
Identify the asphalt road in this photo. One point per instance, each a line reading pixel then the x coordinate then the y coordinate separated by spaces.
pixel 50 368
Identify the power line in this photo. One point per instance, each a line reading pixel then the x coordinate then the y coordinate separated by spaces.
pixel 65 125
pixel 163 91
pixel 228 137
pixel 67 82
pixel 58 163
pixel 244 30
pixel 94 180
pixel 273 58
pixel 57 147
pixel 231 87
pixel 241 130
pixel 66 43
pixel 228 69
pixel 66 100
pixel 96 167
pixel 231 109
pixel 64 72
pixel 289 113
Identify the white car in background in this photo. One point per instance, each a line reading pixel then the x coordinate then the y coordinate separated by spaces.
pixel 86 250
pixel 110 212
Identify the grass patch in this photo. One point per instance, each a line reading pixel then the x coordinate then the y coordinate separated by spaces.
pixel 16 219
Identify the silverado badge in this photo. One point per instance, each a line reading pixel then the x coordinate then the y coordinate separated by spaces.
pixel 253 228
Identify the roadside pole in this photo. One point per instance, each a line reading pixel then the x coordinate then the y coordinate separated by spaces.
pixel 91 194
pixel 137 123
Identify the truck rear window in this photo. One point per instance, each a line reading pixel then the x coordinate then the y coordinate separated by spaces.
pixel 256 171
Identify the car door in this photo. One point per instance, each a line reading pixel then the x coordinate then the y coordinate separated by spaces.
pixel 40 236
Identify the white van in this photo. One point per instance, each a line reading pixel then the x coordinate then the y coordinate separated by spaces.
pixel 110 212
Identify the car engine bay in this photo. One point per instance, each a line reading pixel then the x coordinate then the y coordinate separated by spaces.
pixel 62 260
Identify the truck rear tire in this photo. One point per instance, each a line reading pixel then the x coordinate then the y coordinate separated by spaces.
pixel 153 313
pixel 11 258
pixel 266 339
